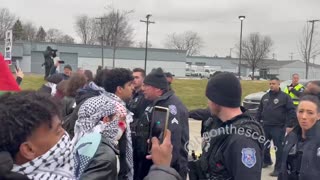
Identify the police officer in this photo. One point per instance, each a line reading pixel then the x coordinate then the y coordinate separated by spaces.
pixel 231 148
pixel 301 152
pixel 155 88
pixel 295 89
pixel 137 105
pixel 277 114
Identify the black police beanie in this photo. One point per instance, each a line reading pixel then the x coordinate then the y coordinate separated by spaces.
pixel 224 89
pixel 156 78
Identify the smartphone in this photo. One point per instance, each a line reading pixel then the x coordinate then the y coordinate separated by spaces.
pixel 61 62
pixel 159 124
pixel 16 65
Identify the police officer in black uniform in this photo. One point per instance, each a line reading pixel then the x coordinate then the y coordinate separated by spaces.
pixel 137 105
pixel 156 89
pixel 301 152
pixel 232 148
pixel 277 114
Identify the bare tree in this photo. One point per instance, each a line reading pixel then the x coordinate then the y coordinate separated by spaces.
pixel 117 30
pixel 7 21
pixel 189 41
pixel 65 39
pixel 53 35
pixel 41 35
pixel 87 29
pixel 255 49
pixel 29 31
pixel 304 46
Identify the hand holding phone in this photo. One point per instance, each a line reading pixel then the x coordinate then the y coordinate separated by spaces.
pixel 159 124
pixel 161 153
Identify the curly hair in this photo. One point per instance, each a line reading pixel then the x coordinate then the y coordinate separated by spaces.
pixel 116 77
pixel 75 82
pixel 21 114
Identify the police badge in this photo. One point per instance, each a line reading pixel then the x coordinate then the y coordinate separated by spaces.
pixel 173 109
pixel 318 152
pixel 275 101
pixel 248 157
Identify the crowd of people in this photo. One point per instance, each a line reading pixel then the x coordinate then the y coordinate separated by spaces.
pixel 80 126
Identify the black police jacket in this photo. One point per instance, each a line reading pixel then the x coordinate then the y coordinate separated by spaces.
pixel 137 106
pixel 277 109
pixel 232 150
pixel 310 159
pixel 178 125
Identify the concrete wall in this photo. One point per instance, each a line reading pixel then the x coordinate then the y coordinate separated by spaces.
pixel 25 64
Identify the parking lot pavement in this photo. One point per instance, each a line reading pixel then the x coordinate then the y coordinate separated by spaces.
pixel 195 144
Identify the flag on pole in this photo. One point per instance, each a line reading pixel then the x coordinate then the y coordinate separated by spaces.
pixel 7 81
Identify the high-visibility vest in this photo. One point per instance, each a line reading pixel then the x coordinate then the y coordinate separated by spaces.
pixel 294 98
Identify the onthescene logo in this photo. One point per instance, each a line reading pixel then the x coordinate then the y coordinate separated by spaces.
pixel 227 130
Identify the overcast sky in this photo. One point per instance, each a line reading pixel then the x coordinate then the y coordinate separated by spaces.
pixel 216 21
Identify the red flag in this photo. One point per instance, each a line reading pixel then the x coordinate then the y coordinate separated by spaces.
pixel 7 81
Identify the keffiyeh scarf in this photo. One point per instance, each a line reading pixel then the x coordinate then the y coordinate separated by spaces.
pixel 56 164
pixel 90 117
pixel 121 108
pixel 89 122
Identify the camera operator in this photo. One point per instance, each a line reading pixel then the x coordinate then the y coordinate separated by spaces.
pixel 48 54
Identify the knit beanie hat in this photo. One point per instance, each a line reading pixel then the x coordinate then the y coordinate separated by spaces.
pixel 157 79
pixel 7 81
pixel 224 89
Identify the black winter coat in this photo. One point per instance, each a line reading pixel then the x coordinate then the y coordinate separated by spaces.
pixel 277 109
pixel 309 166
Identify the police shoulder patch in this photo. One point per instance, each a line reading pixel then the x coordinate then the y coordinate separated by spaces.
pixel 173 109
pixel 248 157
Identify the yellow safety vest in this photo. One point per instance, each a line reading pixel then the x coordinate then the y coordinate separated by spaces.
pixel 294 98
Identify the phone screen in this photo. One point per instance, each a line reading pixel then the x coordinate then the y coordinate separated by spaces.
pixel 159 123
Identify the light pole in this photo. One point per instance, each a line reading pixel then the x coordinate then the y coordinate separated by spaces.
pixel 147 32
pixel 241 19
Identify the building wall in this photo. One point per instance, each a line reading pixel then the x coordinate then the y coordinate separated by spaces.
pixel 25 64
pixel 299 67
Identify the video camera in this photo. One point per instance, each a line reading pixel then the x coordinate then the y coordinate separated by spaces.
pixel 54 53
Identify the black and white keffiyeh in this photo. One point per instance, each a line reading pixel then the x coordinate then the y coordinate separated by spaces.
pixel 56 164
pixel 89 119
pixel 121 108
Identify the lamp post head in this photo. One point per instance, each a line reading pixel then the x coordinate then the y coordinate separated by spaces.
pixel 242 17
pixel 148 15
